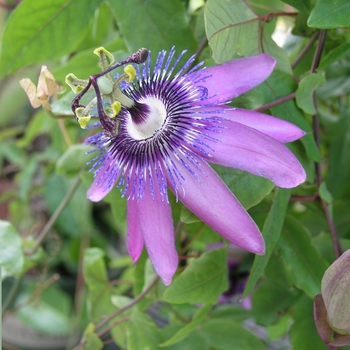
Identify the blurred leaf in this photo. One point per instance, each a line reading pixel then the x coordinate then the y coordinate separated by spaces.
pixel 300 257
pixel 85 63
pixel 303 334
pixel 187 217
pixel 270 300
pixel 96 279
pixel 51 314
pixel 185 331
pixel 221 334
pixel 194 341
pixel 231 312
pixel 334 55
pixel 234 30
pixel 339 155
pixel 142 332
pixel 301 5
pixel 271 233
pixel 325 194
pixel 248 188
pixel 11 255
pixel 329 14
pixel 305 91
pixel 33 26
pixel 92 341
pixel 74 159
pixel 203 281
pixel 154 24
pixel 75 218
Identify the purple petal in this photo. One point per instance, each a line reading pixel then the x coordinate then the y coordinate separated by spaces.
pixel 158 233
pixel 134 239
pixel 234 78
pixel 279 129
pixel 214 204
pixel 244 148
pixel 104 181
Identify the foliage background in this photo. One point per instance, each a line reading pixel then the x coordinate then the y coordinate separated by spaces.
pixel 63 274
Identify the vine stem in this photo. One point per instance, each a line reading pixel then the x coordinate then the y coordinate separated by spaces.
pixel 119 311
pixel 316 128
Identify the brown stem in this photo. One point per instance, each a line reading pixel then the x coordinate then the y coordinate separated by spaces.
pixel 316 128
pixel 275 102
pixel 305 49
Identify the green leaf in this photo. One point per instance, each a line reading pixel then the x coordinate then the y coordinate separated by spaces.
pixel 74 159
pixel 248 188
pixel 271 233
pixel 303 333
pixel 154 24
pixel 11 255
pixel 52 315
pixel 305 91
pixel 301 5
pixel 278 85
pixel 142 332
pixel 75 218
pixel 203 281
pixel 185 331
pixel 96 279
pixel 271 300
pixel 234 30
pixel 301 259
pixel 221 334
pixel 334 55
pixel 330 14
pixel 92 341
pixel 34 26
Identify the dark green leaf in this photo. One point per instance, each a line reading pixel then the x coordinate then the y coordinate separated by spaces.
pixel 222 334
pixel 33 26
pixel 301 259
pixel 203 281
pixel 304 93
pixel 234 30
pixel 303 334
pixel 334 55
pixel 154 24
pixel 330 14
pixel 184 332
pixel 11 255
pixel 270 300
pixel 248 188
pixel 271 232
pixel 142 332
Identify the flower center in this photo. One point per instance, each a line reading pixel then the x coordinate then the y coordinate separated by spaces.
pixel 146 118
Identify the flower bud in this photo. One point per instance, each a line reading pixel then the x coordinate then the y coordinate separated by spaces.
pixel 336 294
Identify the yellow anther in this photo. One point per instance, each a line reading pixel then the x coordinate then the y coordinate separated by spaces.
pixel 131 72
pixel 106 57
pixel 83 121
pixel 83 117
pixel 75 83
pixel 116 106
